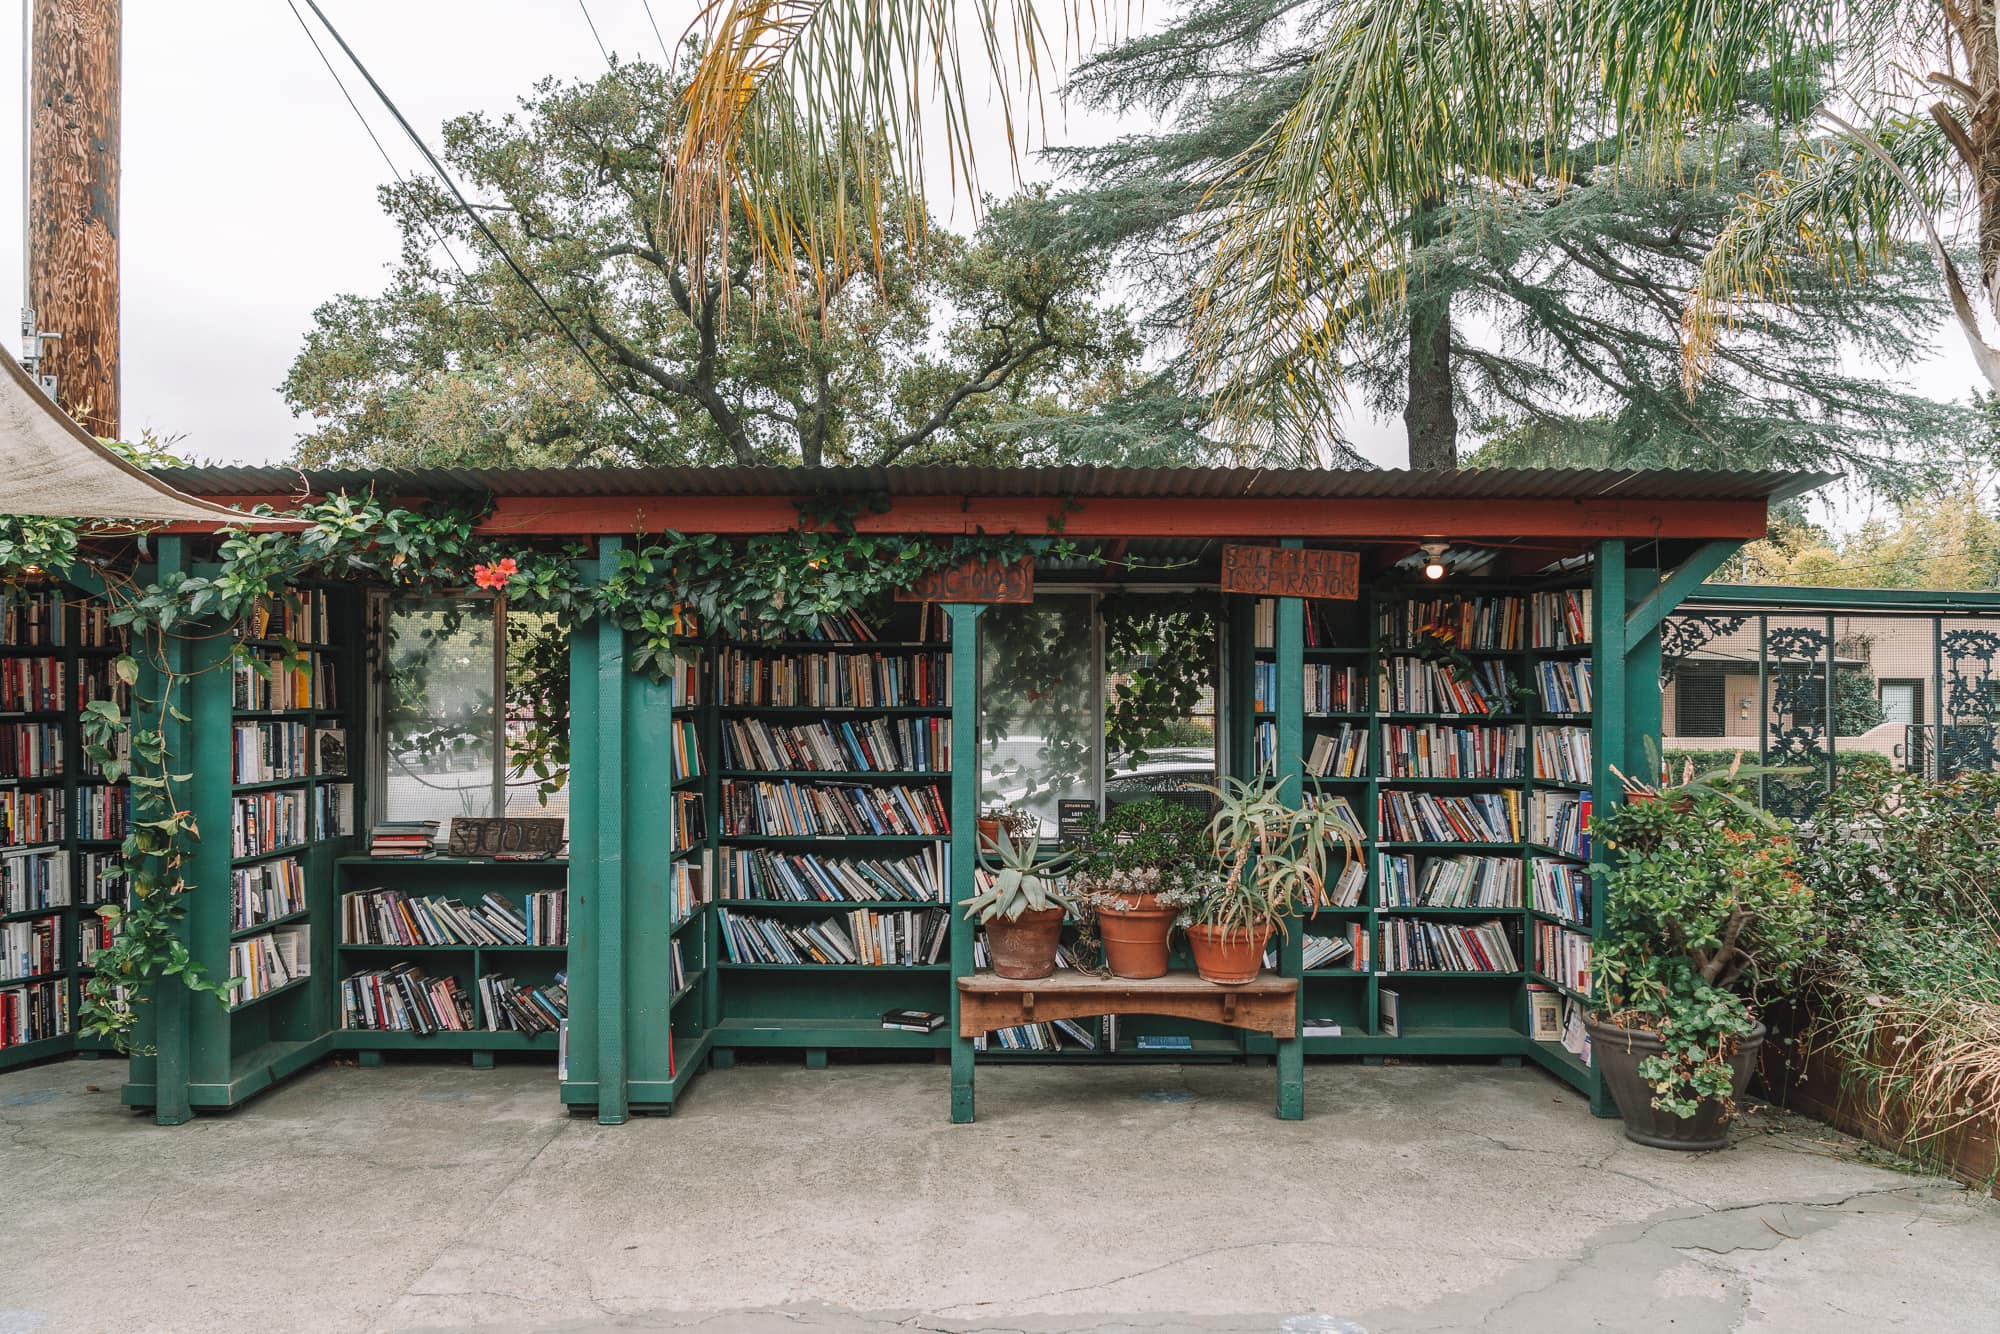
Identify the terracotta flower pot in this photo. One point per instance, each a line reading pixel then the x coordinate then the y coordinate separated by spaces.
pixel 1618 1051
pixel 1025 948
pixel 1135 938
pixel 988 831
pixel 1230 958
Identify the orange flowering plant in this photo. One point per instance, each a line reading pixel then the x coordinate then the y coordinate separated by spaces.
pixel 495 574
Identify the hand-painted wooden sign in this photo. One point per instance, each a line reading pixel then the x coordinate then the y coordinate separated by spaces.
pixel 482 836
pixel 1282 572
pixel 975 581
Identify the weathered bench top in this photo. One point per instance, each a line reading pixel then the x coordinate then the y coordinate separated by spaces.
pixel 1268 1004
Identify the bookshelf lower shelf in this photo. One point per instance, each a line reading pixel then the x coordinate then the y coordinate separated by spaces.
pixel 784 1032
pixel 369 1039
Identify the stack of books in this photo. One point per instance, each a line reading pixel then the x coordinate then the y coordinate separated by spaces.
pixel 403 999
pixel 506 1006
pixel 404 838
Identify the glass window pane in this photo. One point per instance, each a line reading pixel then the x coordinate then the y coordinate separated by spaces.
pixel 1159 693
pixel 537 716
pixel 1039 733
pixel 440 724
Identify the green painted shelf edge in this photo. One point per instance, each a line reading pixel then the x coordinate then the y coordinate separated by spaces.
pixel 841 775
pixel 293 985
pixel 362 859
pixel 251 1072
pixel 245 932
pixel 370 1039
pixel 829 904
pixel 647 1094
pixel 872 968
pixel 814 1033
pixel 21 1053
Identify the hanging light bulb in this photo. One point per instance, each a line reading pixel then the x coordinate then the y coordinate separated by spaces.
pixel 1434 559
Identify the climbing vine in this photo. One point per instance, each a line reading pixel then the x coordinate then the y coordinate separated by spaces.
pixel 663 590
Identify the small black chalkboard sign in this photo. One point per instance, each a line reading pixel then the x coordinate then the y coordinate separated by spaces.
pixel 1073 815
pixel 518 839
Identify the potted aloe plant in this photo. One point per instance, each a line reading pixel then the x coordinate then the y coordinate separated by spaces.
pixel 1703 915
pixel 1021 908
pixel 1272 859
pixel 1137 869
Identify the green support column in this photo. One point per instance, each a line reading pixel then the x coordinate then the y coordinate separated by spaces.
pixel 645 783
pixel 170 1037
pixel 1642 671
pixel 209 756
pixel 964 830
pixel 1291 786
pixel 585 879
pixel 607 845
pixel 1608 601
pixel 598 1049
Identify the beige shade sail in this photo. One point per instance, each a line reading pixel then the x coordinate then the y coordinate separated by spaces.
pixel 51 466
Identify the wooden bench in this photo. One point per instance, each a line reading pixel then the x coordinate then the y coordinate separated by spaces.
pixel 1268 1004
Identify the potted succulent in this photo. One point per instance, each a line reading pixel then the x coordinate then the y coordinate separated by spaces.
pixel 1271 860
pixel 1021 908
pixel 1137 869
pixel 1703 914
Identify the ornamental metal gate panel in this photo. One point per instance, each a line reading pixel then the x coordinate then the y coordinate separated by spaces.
pixel 1823 679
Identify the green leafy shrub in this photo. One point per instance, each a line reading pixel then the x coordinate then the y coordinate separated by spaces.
pixel 1704 913
pixel 1907 990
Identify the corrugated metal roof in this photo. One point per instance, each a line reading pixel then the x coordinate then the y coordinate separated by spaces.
pixel 1083 482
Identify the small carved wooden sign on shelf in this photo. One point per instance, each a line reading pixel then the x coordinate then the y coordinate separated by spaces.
pixel 533 838
pixel 975 581
pixel 1284 572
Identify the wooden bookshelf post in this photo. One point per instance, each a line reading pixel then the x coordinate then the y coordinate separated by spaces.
pixel 964 830
pixel 1291 703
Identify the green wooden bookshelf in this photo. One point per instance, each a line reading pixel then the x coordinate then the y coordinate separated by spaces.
pixel 815 1008
pixel 1440 1012
pixel 467 879
pixel 80 644
pixel 213 1056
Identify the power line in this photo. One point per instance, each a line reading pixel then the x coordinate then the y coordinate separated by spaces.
pixel 592 24
pixel 473 214
pixel 666 54
pixel 388 161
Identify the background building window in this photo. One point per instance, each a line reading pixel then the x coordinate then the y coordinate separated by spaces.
pixel 1903 702
pixel 1699 704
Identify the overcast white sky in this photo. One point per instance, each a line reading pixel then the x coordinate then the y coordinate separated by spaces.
pixel 249 187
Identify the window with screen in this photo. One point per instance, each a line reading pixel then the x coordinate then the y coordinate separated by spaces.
pixel 475 712
pixel 1699 702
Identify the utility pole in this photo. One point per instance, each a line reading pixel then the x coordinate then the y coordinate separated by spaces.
pixel 69 324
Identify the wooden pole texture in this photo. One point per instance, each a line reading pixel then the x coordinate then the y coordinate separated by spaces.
pixel 73 203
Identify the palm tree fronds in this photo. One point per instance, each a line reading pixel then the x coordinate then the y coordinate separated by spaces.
pixel 784 86
pixel 1408 99
pixel 1841 204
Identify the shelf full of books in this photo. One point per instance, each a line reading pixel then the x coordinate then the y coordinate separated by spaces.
pixel 60 823
pixel 460 954
pixel 824 859
pixel 291 803
pixel 1459 722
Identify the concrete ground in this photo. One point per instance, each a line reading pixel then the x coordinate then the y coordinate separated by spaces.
pixel 1157 1198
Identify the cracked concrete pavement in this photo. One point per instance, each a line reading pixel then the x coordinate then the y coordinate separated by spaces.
pixel 1413 1198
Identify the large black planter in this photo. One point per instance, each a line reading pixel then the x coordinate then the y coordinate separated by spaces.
pixel 1618 1051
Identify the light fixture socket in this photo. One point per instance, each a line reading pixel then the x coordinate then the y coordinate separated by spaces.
pixel 1434 559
